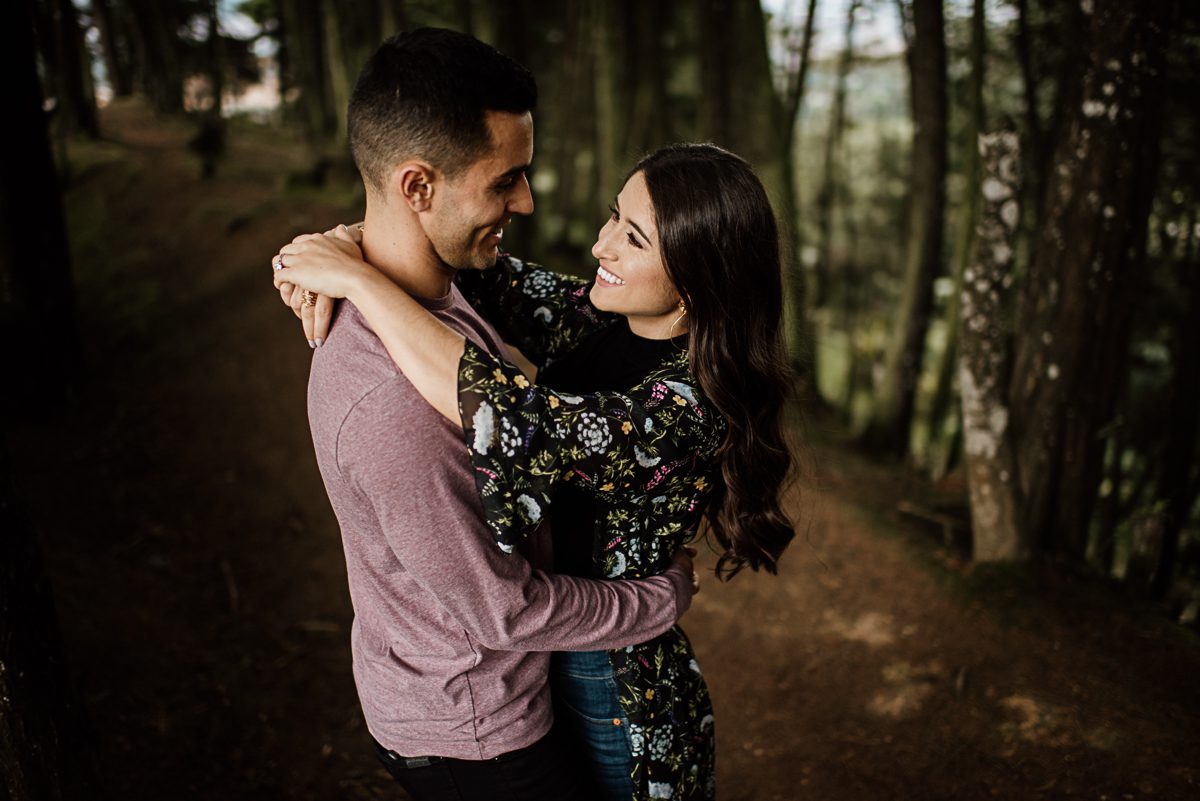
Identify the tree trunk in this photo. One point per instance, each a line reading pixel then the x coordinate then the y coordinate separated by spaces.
pixel 803 335
pixel 1145 553
pixel 1183 416
pixel 1049 55
pixel 611 114
pixel 798 74
pixel 964 236
pixel 823 275
pixel 570 107
pixel 43 753
pixel 116 57
pixel 1109 507
pixel 984 359
pixel 339 74
pixel 645 22
pixel 741 110
pixel 216 58
pixel 303 24
pixel 160 72
pixel 1075 311
pixel 74 91
pixel 892 416
pixel 36 296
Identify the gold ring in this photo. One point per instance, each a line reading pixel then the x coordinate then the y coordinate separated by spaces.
pixel 309 298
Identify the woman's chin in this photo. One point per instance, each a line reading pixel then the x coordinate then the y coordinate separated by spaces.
pixel 596 296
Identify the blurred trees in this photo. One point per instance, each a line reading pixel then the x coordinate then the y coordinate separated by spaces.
pixel 864 119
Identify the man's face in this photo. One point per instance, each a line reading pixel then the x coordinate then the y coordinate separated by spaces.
pixel 466 220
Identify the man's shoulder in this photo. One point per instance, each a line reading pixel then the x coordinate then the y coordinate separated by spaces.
pixel 461 317
pixel 352 362
pixel 353 378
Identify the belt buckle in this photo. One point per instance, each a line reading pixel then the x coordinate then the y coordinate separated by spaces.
pixel 411 762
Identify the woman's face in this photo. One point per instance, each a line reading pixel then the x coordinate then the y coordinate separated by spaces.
pixel 631 279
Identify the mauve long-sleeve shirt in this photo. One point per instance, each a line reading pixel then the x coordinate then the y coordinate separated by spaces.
pixel 451 636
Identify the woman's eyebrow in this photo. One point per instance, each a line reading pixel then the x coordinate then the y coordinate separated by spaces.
pixel 636 227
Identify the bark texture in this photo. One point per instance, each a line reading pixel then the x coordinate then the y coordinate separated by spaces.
pixel 1075 312
pixel 893 413
pixel 984 360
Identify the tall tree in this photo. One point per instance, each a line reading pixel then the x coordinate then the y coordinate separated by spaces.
pixel 1074 316
pixel 632 114
pixel 158 70
pixel 303 23
pixel 36 295
pixel 43 754
pixel 209 141
pixel 964 233
pixel 114 48
pixel 985 358
pixel 823 275
pixel 69 69
pixel 1172 473
pixel 741 109
pixel 895 396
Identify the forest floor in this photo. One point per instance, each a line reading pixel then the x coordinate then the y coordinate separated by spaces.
pixel 201 586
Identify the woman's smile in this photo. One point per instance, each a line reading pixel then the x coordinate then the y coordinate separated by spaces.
pixel 607 278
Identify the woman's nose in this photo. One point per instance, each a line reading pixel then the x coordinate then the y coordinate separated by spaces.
pixel 601 249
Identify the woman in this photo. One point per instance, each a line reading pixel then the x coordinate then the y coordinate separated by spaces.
pixel 661 391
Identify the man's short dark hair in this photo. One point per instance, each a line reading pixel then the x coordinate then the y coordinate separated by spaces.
pixel 424 94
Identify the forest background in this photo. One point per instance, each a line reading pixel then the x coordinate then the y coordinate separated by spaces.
pixel 990 228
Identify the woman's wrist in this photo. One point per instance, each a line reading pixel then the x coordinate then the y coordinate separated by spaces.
pixel 361 283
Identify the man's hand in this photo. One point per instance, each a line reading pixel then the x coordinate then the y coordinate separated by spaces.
pixel 683 557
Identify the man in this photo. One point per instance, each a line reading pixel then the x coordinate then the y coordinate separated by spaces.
pixel 451 636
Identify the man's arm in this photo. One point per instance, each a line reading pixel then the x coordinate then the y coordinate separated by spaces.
pixel 411 465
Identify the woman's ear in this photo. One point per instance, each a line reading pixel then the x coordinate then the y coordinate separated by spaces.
pixel 413 182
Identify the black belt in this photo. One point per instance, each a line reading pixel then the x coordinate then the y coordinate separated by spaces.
pixel 411 762
pixel 425 761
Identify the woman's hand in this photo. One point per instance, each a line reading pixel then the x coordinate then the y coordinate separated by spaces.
pixel 316 315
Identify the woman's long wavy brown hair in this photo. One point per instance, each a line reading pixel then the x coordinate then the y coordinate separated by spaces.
pixel 720 245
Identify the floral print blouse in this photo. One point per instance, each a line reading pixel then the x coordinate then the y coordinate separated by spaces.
pixel 647 455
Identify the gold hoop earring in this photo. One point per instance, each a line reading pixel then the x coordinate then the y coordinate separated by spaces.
pixel 679 319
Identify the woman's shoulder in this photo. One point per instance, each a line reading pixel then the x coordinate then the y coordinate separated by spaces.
pixel 672 391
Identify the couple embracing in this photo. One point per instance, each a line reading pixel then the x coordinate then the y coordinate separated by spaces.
pixel 516 541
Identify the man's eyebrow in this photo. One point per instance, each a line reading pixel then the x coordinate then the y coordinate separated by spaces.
pixel 514 172
pixel 636 227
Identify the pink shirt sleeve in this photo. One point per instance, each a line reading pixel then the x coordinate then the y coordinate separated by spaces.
pixel 412 468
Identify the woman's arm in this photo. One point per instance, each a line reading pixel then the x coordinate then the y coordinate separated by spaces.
pixel 657 440
pixel 542 313
pixel 424 349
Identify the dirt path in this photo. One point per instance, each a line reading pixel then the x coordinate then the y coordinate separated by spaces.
pixel 200 579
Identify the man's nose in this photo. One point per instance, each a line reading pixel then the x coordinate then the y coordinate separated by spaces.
pixel 522 201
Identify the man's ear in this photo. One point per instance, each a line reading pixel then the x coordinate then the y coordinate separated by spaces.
pixel 414 182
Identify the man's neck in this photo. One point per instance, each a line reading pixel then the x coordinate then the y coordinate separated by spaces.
pixel 398 247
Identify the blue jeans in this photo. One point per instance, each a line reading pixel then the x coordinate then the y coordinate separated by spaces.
pixel 585 701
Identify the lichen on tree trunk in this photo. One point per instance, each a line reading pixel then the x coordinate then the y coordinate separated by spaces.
pixel 983 360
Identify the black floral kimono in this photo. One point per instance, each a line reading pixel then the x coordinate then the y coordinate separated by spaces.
pixel 647 455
